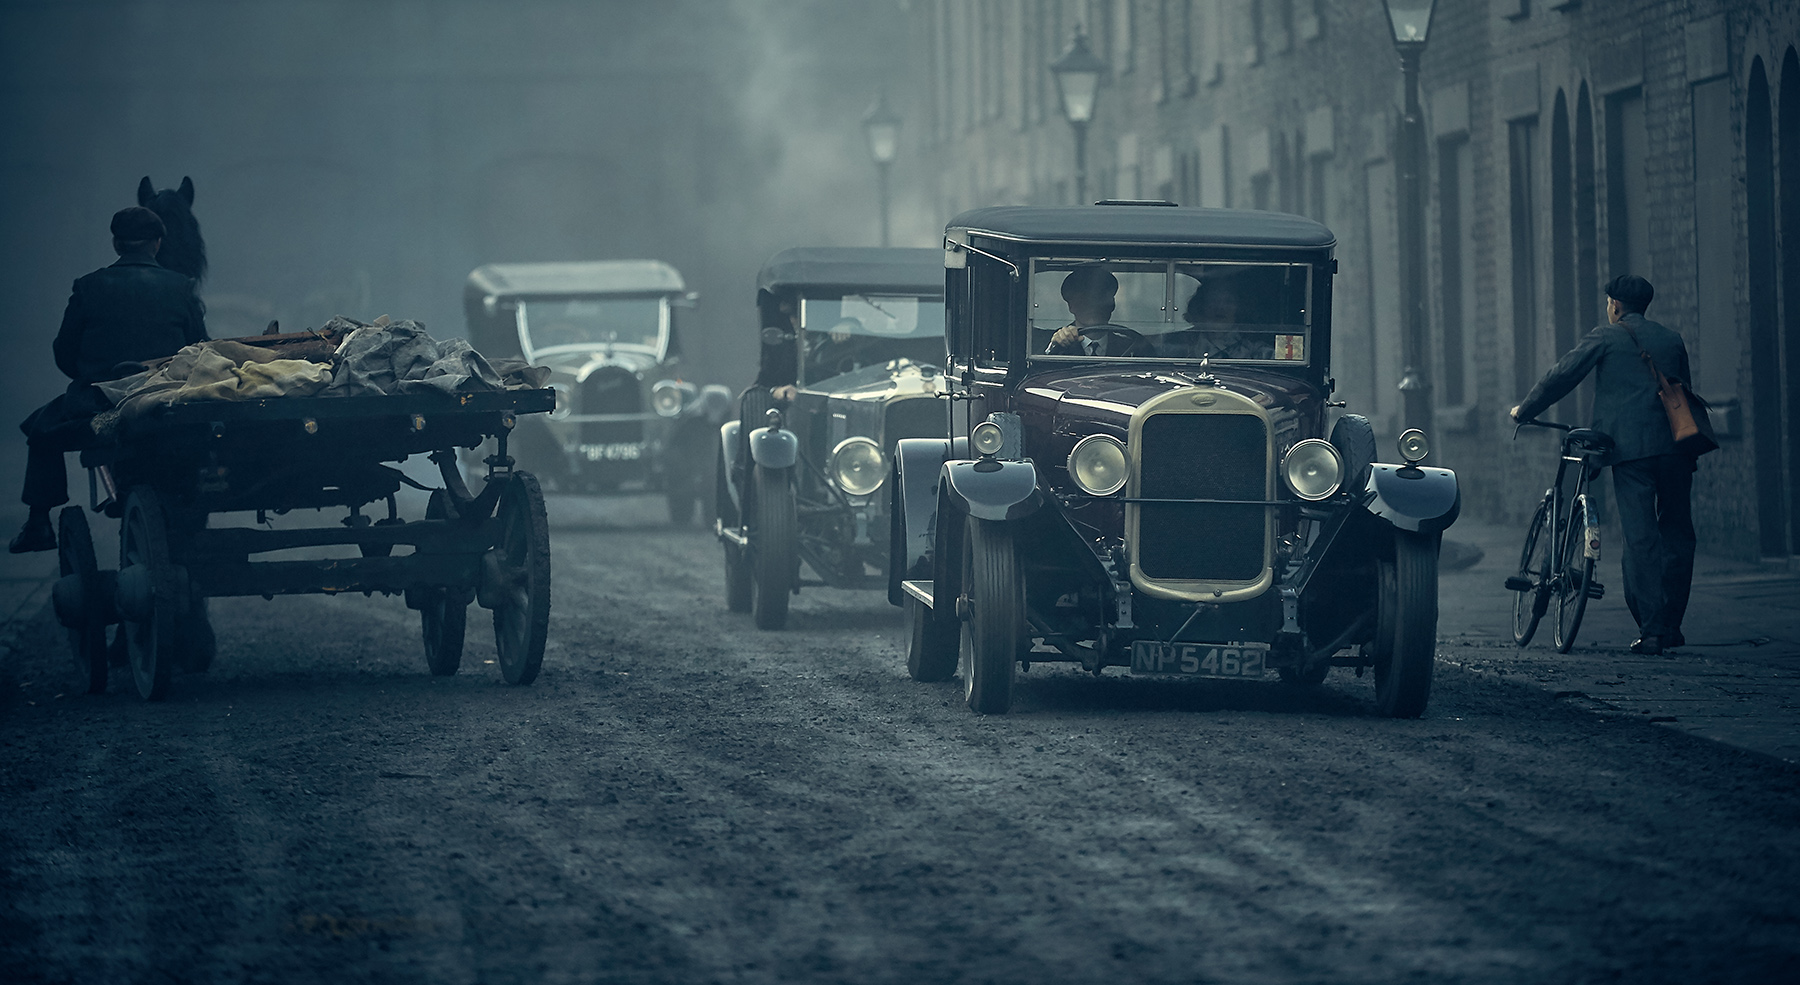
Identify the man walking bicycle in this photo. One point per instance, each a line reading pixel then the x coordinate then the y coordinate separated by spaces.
pixel 1651 480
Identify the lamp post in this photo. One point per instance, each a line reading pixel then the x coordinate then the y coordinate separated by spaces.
pixel 882 126
pixel 1077 75
pixel 1411 22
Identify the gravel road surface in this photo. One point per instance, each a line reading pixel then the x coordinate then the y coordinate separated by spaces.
pixel 681 798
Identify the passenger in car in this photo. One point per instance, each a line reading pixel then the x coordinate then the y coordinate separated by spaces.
pixel 1214 310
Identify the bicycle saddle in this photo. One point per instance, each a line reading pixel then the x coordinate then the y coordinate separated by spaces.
pixel 1590 439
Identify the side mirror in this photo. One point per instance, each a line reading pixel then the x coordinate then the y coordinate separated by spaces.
pixel 956 249
pixel 689 300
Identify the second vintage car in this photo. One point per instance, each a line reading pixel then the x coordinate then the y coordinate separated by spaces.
pixel 1140 473
pixel 851 362
pixel 626 419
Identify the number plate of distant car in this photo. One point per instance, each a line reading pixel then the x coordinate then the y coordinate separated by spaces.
pixel 622 451
pixel 1236 661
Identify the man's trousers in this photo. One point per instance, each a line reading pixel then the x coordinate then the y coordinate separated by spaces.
pixel 1654 506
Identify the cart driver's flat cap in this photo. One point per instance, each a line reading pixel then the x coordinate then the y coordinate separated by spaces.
pixel 136 224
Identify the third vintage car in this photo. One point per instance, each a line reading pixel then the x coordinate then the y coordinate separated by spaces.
pixel 626 418
pixel 851 362
pixel 1144 471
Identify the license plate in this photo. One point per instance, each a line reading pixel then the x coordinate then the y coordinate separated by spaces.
pixel 1234 661
pixel 622 451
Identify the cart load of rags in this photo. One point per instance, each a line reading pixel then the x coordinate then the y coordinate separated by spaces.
pixel 344 358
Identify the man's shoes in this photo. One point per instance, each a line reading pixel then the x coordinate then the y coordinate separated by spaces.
pixel 1674 640
pixel 1647 645
pixel 35 535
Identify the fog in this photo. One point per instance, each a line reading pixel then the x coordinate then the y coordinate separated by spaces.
pixel 360 157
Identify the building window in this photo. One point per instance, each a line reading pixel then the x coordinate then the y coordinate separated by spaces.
pixel 1456 249
pixel 1627 212
pixel 1521 141
pixel 1253 52
pixel 1188 84
pixel 1124 35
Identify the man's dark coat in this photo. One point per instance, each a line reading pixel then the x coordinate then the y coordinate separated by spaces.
pixel 1626 407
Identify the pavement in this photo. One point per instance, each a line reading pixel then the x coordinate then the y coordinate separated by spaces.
pixel 1737 681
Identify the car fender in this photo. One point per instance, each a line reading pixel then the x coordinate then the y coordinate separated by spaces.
pixel 1419 500
pixel 913 509
pixel 729 444
pixel 712 404
pixel 774 448
pixel 993 490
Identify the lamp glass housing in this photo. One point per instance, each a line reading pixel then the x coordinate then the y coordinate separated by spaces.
pixel 1078 74
pixel 1410 20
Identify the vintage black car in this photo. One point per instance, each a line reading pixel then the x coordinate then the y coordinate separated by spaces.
pixel 625 418
pixel 1139 474
pixel 851 362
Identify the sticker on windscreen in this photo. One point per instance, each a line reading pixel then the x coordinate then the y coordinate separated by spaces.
pixel 1290 347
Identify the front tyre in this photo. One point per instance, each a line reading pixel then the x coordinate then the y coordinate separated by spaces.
pixel 521 572
pixel 1408 600
pixel 774 541
pixel 993 626
pixel 1532 596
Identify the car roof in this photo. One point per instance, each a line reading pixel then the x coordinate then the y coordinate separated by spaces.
pixel 1148 225
pixel 578 277
pixel 905 270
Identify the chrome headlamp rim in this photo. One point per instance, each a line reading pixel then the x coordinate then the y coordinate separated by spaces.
pixel 1415 440
pixel 987 439
pixel 1084 447
pixel 836 458
pixel 565 401
pixel 659 394
pixel 1307 447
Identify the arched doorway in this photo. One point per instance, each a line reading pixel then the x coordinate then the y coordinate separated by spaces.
pixel 1765 371
pixel 1587 231
pixel 1562 239
pixel 1788 132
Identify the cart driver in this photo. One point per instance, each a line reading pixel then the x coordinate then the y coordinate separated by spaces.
pixel 1091 291
pixel 118 317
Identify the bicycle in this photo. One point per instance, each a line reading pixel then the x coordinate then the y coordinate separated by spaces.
pixel 1562 546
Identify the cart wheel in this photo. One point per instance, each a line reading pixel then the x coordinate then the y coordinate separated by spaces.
pixel 87 640
pixel 149 638
pixel 516 578
pixel 194 638
pixel 444 614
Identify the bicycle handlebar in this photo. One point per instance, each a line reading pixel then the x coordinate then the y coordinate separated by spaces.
pixel 1540 424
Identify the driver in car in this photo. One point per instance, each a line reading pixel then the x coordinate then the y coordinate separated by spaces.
pixel 1089 290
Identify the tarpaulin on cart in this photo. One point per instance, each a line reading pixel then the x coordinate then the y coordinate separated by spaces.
pixel 217 370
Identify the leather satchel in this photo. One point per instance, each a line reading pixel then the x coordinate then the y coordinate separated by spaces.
pixel 1689 423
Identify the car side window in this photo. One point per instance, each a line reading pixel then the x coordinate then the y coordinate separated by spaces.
pixel 989 311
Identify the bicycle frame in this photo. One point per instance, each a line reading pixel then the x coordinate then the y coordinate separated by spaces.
pixel 1556 578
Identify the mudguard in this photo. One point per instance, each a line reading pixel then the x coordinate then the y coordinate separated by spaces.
pixel 729 444
pixel 913 485
pixel 993 490
pixel 774 449
pixel 1420 500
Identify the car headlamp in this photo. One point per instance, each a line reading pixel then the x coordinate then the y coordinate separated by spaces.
pixel 857 466
pixel 565 402
pixel 987 439
pixel 1313 469
pixel 1413 446
pixel 666 398
pixel 1097 465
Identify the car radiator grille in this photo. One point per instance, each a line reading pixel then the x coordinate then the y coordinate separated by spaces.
pixel 611 390
pixel 914 417
pixel 1202 456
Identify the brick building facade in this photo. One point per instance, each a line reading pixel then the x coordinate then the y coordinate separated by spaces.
pixel 1568 141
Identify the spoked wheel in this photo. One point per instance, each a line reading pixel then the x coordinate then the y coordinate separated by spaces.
pixel 1531 594
pixel 773 563
pixel 935 641
pixel 87 639
pixel 443 612
pixel 147 593
pixel 1575 572
pixel 993 630
pixel 738 588
pixel 516 579
pixel 1406 633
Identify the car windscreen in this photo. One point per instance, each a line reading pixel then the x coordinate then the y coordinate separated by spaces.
pixel 1092 308
pixel 638 323
pixel 847 333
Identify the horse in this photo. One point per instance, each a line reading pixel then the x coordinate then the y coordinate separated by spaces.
pixel 182 250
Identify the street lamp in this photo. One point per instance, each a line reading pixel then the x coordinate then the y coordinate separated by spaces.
pixel 882 126
pixel 1077 75
pixel 1411 23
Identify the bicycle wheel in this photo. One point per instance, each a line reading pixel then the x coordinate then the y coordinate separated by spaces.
pixel 1574 573
pixel 1532 596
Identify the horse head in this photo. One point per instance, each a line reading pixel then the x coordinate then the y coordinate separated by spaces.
pixel 182 250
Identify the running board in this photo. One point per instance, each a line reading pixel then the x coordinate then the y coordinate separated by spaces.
pixel 920 590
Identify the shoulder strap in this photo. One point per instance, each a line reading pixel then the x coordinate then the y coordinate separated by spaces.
pixel 1649 364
